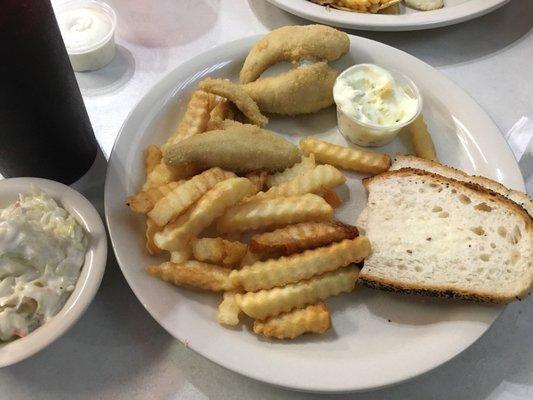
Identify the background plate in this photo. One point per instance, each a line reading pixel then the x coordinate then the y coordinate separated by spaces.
pixel 377 339
pixel 453 12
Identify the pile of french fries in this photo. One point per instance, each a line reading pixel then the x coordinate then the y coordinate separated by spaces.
pixel 296 256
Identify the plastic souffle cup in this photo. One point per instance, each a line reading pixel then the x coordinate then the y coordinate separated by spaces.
pixel 372 135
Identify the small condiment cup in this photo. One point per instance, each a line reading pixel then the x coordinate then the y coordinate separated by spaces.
pixel 372 135
pixel 95 55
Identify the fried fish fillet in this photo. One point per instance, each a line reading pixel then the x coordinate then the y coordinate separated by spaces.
pixel 294 43
pixel 302 90
pixel 239 148
pixel 236 95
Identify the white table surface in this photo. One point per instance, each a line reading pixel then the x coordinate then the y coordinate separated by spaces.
pixel 117 351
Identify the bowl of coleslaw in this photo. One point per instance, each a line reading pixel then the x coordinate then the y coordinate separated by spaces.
pixel 53 251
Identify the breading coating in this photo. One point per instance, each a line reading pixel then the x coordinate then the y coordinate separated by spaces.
pixel 303 90
pixel 237 96
pixel 294 43
pixel 239 148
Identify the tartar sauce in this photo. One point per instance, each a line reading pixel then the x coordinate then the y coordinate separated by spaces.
pixel 83 28
pixel 42 251
pixel 372 105
pixel 370 94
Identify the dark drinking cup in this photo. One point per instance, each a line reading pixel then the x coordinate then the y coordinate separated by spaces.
pixel 44 128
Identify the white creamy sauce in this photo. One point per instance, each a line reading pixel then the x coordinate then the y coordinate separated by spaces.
pixel 83 28
pixel 369 93
pixel 42 251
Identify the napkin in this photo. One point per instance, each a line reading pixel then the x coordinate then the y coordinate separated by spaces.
pixel 520 139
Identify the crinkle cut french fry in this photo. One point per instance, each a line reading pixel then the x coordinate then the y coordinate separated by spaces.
pixel 228 310
pixel 275 212
pixel 218 251
pixel 312 181
pixel 153 156
pixel 199 216
pixel 250 258
pixel 331 197
pixel 151 230
pixel 194 120
pixel 294 268
pixel 346 157
pixel 179 200
pixel 193 274
pixel 421 139
pixel 315 318
pixel 299 237
pixel 268 303
pixel 182 255
pixel 307 163
pixel 143 202
pixel 258 178
pixel 163 174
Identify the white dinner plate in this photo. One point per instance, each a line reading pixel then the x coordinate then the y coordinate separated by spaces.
pixel 453 12
pixel 377 339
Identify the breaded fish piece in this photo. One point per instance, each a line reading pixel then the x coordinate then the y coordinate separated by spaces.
pixel 236 95
pixel 302 90
pixel 239 148
pixel 425 5
pixel 294 43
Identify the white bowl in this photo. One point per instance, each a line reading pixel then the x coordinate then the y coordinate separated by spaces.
pixel 91 273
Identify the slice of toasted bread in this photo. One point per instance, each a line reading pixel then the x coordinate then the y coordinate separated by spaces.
pixel 433 235
pixel 405 161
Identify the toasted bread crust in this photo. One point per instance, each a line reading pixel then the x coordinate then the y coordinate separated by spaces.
pixel 475 188
pixel 443 292
pixel 484 182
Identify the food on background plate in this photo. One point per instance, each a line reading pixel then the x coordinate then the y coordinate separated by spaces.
pixel 433 235
pixel 302 90
pixel 425 5
pixel 237 95
pixel 421 139
pixel 373 104
pixel 239 148
pixel 380 6
pixel 293 44
pixel 42 252
pixel 314 318
pixel 364 6
pixel 297 238
pixel 345 157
